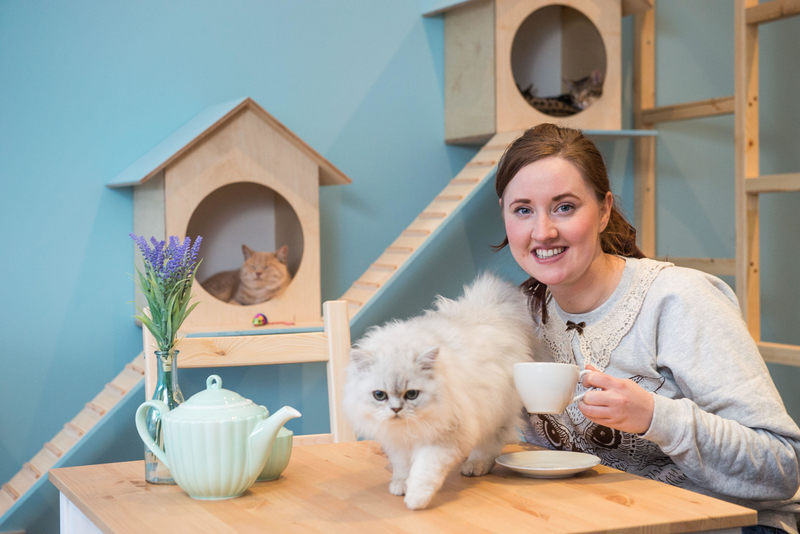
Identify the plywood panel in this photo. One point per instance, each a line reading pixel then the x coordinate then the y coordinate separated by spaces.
pixel 469 91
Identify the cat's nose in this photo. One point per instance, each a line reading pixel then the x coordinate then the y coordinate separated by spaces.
pixel 395 410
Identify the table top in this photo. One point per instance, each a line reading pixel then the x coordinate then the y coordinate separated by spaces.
pixel 344 487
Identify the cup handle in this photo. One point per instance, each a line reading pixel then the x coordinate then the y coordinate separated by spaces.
pixel 579 396
pixel 141 427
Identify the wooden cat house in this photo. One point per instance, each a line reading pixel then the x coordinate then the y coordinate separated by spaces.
pixel 235 175
pixel 496 50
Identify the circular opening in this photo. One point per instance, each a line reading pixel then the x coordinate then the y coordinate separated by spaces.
pixel 248 215
pixel 559 61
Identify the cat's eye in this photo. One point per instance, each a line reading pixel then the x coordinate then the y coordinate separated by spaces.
pixel 380 395
pixel 411 394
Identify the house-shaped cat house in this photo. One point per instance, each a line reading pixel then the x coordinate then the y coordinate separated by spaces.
pixel 235 175
pixel 495 50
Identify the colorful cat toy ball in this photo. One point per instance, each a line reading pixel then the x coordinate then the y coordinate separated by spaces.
pixel 260 319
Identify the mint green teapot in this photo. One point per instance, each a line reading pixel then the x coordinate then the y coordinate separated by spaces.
pixel 217 442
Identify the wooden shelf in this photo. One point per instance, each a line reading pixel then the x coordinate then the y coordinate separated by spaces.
pixel 773 183
pixel 689 110
pixel 715 266
pixel 620 134
pixel 780 353
pixel 772 11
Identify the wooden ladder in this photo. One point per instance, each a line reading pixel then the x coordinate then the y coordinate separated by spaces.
pixel 421 229
pixel 647 116
pixel 749 182
pixel 71 433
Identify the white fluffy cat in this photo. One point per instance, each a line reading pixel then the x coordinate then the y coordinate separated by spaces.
pixel 439 388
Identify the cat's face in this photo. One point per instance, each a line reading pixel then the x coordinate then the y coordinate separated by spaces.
pixel 393 383
pixel 263 269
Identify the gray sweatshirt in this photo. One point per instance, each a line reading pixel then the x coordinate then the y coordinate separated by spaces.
pixel 719 426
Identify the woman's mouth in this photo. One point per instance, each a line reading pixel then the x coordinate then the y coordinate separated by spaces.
pixel 547 253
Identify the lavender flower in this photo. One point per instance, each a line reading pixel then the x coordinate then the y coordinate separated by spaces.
pixel 167 285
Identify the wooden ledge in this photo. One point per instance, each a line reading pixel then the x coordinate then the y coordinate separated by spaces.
pixel 772 11
pixel 689 110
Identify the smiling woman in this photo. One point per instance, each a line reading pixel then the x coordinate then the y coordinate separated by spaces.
pixel 678 388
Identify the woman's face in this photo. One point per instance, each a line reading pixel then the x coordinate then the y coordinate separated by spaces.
pixel 553 222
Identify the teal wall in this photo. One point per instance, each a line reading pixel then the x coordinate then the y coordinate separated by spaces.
pixel 89 86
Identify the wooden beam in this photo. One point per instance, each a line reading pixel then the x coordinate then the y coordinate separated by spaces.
pixel 337 329
pixel 773 183
pixel 715 266
pixel 634 7
pixel 230 351
pixel 772 11
pixel 644 97
pixel 780 353
pixel 689 110
pixel 746 142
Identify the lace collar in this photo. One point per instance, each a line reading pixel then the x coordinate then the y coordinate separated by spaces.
pixel 599 338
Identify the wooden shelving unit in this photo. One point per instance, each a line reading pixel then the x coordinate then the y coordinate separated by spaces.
pixel 750 15
pixel 748 181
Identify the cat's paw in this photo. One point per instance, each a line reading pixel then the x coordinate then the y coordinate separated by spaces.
pixel 397 487
pixel 418 500
pixel 476 468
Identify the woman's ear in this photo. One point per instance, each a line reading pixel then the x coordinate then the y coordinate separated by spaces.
pixel 605 210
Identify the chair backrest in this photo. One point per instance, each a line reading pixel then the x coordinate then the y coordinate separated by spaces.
pixel 330 344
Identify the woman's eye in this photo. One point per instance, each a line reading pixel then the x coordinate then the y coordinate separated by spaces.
pixel 565 208
pixel 380 395
pixel 412 394
pixel 522 210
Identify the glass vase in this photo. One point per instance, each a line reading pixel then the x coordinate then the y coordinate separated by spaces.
pixel 169 392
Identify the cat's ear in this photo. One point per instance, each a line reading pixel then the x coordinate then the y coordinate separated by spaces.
pixel 361 358
pixel 282 253
pixel 427 359
pixel 247 251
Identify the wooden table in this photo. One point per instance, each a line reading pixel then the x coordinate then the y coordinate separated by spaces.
pixel 343 487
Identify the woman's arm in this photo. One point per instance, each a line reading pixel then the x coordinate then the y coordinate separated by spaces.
pixel 730 433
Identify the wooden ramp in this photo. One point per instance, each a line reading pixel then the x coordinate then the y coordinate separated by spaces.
pixel 72 432
pixel 455 194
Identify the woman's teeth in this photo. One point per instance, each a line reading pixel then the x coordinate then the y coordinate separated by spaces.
pixel 543 254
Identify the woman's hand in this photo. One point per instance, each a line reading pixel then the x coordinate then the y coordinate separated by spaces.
pixel 622 404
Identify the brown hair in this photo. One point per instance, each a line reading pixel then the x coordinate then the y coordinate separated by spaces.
pixel 548 140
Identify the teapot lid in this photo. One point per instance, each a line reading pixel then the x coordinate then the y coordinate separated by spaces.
pixel 216 403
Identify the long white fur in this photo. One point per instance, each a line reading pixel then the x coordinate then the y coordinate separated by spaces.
pixel 460 357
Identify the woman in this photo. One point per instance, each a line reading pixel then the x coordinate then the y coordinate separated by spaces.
pixel 681 393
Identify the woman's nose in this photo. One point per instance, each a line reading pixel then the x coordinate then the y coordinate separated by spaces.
pixel 544 229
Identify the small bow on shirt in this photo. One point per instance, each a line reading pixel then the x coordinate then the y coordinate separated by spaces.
pixel 576 326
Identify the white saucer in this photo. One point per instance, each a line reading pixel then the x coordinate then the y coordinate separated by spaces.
pixel 548 464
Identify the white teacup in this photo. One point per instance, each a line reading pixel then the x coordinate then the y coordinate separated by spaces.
pixel 547 387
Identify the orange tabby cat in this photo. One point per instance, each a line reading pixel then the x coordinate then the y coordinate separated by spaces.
pixel 262 276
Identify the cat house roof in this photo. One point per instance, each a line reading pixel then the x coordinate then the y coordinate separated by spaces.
pixel 437 7
pixel 203 125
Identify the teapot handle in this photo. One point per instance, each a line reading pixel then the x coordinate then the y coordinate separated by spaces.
pixel 141 427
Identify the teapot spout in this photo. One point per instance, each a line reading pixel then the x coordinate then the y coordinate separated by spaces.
pixel 259 443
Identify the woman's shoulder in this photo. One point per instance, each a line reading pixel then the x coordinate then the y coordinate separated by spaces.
pixel 683 287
